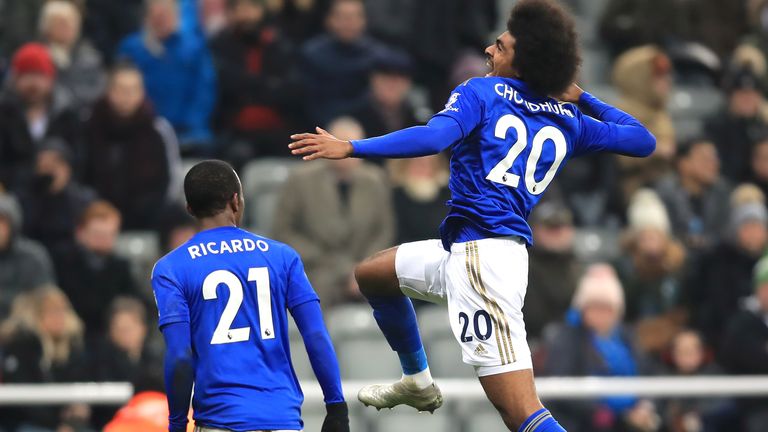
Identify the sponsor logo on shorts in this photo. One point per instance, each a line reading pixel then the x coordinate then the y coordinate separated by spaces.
pixel 480 350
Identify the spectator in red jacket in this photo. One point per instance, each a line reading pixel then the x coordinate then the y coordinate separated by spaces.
pixel 258 83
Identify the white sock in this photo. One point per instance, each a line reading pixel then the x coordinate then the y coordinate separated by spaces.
pixel 421 379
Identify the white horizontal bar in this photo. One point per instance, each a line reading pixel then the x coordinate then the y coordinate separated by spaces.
pixel 593 387
pixel 456 389
pixel 111 393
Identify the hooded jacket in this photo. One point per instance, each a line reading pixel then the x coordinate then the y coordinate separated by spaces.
pixel 633 75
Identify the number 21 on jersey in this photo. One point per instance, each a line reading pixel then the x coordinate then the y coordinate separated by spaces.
pixel 500 174
pixel 224 332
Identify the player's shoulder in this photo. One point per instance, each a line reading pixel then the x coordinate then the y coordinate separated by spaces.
pixel 267 244
pixel 478 85
pixel 166 263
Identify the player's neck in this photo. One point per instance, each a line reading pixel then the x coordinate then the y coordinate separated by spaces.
pixel 217 221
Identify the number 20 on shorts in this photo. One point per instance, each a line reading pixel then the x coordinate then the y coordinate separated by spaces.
pixel 479 332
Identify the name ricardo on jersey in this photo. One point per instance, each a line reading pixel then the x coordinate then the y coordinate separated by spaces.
pixel 226 246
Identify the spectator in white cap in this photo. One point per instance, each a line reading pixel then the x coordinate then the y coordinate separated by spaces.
pixel 593 342
pixel 723 279
pixel 651 266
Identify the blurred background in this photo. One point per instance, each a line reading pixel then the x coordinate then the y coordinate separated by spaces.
pixel 642 267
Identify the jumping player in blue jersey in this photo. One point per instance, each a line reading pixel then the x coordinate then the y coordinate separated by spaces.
pixel 510 133
pixel 222 298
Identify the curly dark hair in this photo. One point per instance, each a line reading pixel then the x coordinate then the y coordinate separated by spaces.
pixel 546 50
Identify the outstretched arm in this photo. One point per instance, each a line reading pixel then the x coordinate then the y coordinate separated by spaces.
pixel 440 133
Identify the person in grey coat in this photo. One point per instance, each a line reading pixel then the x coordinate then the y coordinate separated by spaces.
pixel 696 196
pixel 24 264
pixel 78 64
pixel 334 214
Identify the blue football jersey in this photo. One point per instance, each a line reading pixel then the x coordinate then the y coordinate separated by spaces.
pixel 514 144
pixel 234 289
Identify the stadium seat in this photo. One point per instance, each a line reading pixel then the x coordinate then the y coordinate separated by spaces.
pixel 300 361
pixel 604 92
pixel 484 422
pixel 433 321
pixel 444 355
pixel 351 320
pixel 186 165
pixel 591 10
pixel 595 68
pixel 262 180
pixel 142 249
pixel 479 417
pixel 596 244
pixel 686 128
pixel 697 102
pixel 367 358
pixel 405 419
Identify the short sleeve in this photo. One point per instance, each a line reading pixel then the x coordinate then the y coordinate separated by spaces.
pixel 172 305
pixel 299 288
pixel 465 107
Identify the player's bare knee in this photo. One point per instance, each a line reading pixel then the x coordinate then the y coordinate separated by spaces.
pixel 376 275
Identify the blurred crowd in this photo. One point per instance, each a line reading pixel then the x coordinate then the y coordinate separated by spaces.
pixel 640 266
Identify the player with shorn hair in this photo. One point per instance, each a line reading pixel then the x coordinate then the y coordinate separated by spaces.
pixel 223 299
pixel 510 133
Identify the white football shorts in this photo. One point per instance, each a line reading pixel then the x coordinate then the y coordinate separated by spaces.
pixel 484 284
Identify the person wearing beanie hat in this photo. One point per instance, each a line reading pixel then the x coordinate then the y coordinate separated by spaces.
pixel 594 342
pixel 647 211
pixel 32 108
pixel 651 266
pixel 745 344
pixel 24 264
pixel 694 195
pixel 723 277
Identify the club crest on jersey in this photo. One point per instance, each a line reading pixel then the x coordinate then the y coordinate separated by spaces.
pixel 452 100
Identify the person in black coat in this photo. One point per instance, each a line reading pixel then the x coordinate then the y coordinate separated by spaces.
pixel 745 345
pixel 741 123
pixel 91 274
pixel 258 83
pixel 54 201
pixel 336 65
pixel 32 109
pixel 124 355
pixel 132 154
pixel 723 279
pixel 386 109
pixel 419 196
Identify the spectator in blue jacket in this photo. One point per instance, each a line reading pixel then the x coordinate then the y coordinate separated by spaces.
pixel 337 64
pixel 178 73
